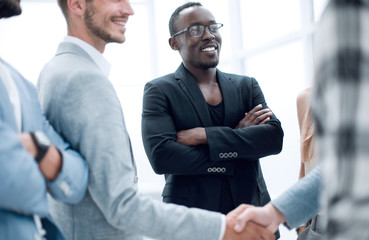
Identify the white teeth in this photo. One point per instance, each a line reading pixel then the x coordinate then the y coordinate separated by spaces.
pixel 209 49
pixel 120 23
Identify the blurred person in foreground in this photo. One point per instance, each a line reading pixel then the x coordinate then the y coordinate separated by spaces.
pixel 34 160
pixel 310 230
pixel 339 104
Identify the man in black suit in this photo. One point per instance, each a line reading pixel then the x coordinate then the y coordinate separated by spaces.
pixel 205 129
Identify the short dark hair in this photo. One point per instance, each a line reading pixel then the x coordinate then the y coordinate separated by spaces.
pixel 64 7
pixel 63 4
pixel 174 17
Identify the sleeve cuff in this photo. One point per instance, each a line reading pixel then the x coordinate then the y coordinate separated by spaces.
pixel 222 227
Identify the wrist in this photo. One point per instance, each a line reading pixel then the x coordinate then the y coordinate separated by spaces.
pixel 276 214
pixel 201 136
pixel 302 227
pixel 42 144
pixel 51 164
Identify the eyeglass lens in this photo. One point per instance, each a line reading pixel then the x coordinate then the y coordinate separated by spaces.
pixel 198 30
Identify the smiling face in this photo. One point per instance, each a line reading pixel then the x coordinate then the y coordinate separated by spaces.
pixel 105 20
pixel 197 52
pixel 9 8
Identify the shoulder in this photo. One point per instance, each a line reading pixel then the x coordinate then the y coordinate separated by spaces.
pixel 163 80
pixel 18 77
pixel 236 78
pixel 303 98
pixel 72 71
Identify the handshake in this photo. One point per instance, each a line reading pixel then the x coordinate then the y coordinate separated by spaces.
pixel 253 223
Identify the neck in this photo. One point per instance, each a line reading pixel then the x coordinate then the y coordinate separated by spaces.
pixel 203 75
pixel 86 36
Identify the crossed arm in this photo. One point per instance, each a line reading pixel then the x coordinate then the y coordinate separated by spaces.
pixel 51 164
pixel 197 136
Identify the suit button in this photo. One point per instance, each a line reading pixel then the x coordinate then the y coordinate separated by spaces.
pixel 235 154
pixel 223 170
pixel 221 155
pixel 226 155
pixel 210 170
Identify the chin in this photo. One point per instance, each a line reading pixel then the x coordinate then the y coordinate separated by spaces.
pixel 117 40
pixel 206 65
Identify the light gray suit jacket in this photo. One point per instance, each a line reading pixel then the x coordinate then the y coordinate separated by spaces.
pixel 82 105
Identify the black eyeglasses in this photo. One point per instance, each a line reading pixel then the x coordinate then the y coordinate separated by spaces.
pixel 198 30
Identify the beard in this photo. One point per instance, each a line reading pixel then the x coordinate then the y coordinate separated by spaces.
pixel 210 64
pixel 9 8
pixel 96 29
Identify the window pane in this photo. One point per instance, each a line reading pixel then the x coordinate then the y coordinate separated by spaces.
pixel 130 61
pixel 166 58
pixel 280 73
pixel 266 20
pixel 319 6
pixel 30 40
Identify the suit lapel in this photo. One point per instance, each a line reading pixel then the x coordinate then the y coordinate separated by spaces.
pixel 6 111
pixel 68 47
pixel 189 86
pixel 25 99
pixel 229 94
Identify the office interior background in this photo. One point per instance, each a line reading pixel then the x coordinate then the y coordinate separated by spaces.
pixel 269 40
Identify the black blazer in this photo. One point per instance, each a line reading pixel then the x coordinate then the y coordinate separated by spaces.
pixel 174 102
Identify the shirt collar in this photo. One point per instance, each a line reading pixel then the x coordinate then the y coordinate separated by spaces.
pixel 96 56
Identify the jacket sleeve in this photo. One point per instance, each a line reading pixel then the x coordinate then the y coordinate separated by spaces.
pixel 247 143
pixel 104 142
pixel 300 202
pixel 159 135
pixel 22 188
pixel 71 183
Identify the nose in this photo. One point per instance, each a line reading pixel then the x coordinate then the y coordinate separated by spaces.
pixel 207 34
pixel 127 8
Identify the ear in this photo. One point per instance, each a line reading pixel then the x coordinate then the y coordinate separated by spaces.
pixel 77 6
pixel 173 43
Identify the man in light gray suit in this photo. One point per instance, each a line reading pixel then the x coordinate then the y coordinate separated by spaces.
pixel 81 104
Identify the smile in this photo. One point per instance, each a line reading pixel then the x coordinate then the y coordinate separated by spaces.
pixel 122 23
pixel 208 49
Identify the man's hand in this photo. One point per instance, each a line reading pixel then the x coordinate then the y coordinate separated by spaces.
pixel 28 143
pixel 51 163
pixel 192 137
pixel 267 216
pixel 256 116
pixel 251 231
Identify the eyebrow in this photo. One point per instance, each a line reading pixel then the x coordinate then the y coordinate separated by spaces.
pixel 198 23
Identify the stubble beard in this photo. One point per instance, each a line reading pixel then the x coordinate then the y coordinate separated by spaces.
pixel 95 28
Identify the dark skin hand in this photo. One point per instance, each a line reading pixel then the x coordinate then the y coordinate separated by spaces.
pixel 256 116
